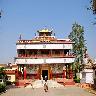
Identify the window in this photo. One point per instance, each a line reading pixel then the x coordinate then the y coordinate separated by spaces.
pixel 9 77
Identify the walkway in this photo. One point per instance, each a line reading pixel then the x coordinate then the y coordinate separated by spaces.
pixel 66 91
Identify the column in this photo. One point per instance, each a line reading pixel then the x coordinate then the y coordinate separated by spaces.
pixel 18 72
pixel 51 73
pixel 70 72
pixel 17 75
pixel 64 72
pixel 24 72
pixel 38 73
pixel 51 52
pixel 25 53
pixel 38 53
pixel 67 73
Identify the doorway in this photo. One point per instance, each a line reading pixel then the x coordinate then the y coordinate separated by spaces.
pixel 44 73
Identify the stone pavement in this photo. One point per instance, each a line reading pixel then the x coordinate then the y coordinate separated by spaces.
pixel 66 91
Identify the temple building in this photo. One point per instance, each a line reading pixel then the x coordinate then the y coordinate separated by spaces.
pixel 44 55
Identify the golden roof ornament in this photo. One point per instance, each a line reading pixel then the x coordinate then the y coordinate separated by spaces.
pixel 89 62
pixel 44 31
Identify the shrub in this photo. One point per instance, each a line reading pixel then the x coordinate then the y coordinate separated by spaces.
pixel 8 82
pixel 77 80
pixel 2 87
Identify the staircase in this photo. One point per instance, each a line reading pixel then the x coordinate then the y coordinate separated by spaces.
pixel 39 84
pixel 59 82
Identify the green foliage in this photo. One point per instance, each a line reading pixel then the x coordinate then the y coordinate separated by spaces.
pixel 77 36
pixel 8 83
pixel 2 73
pixel 3 77
pixel 77 80
pixel 2 87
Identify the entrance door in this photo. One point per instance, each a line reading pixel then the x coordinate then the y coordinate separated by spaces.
pixel 44 73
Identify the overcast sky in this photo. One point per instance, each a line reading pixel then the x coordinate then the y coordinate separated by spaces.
pixel 27 16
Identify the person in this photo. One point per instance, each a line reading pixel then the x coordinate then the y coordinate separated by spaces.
pixel 32 86
pixel 45 87
pixel 45 78
pixel 41 79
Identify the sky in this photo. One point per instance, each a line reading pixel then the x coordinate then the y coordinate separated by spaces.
pixel 27 16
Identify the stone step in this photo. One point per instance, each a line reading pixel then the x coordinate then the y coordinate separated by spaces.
pixel 69 83
pixel 50 83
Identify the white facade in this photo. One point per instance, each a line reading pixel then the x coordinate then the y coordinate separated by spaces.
pixel 87 76
pixel 11 77
pixel 44 60
pixel 44 46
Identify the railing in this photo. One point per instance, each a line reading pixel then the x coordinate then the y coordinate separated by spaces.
pixel 53 41
pixel 47 56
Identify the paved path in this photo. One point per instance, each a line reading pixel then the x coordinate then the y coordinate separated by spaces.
pixel 66 91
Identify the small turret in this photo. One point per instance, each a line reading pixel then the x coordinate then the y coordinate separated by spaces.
pixel 45 32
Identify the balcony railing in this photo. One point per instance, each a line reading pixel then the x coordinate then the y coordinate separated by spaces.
pixel 46 56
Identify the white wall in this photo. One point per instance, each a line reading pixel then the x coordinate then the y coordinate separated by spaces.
pixel 43 61
pixel 44 46
pixel 89 78
pixel 12 77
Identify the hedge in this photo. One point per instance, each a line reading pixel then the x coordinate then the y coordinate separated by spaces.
pixel 77 80
pixel 2 88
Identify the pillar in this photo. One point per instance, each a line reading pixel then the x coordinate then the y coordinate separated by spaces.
pixel 17 75
pixel 24 72
pixel 38 52
pixel 18 71
pixel 51 52
pixel 67 73
pixel 38 74
pixel 51 73
pixel 70 72
pixel 64 72
pixel 20 67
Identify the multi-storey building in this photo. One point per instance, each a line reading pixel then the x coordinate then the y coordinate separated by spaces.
pixel 44 55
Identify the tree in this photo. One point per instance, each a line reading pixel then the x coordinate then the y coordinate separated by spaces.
pixel 3 74
pixel 77 36
pixel 92 6
pixel 0 13
pixel 3 77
